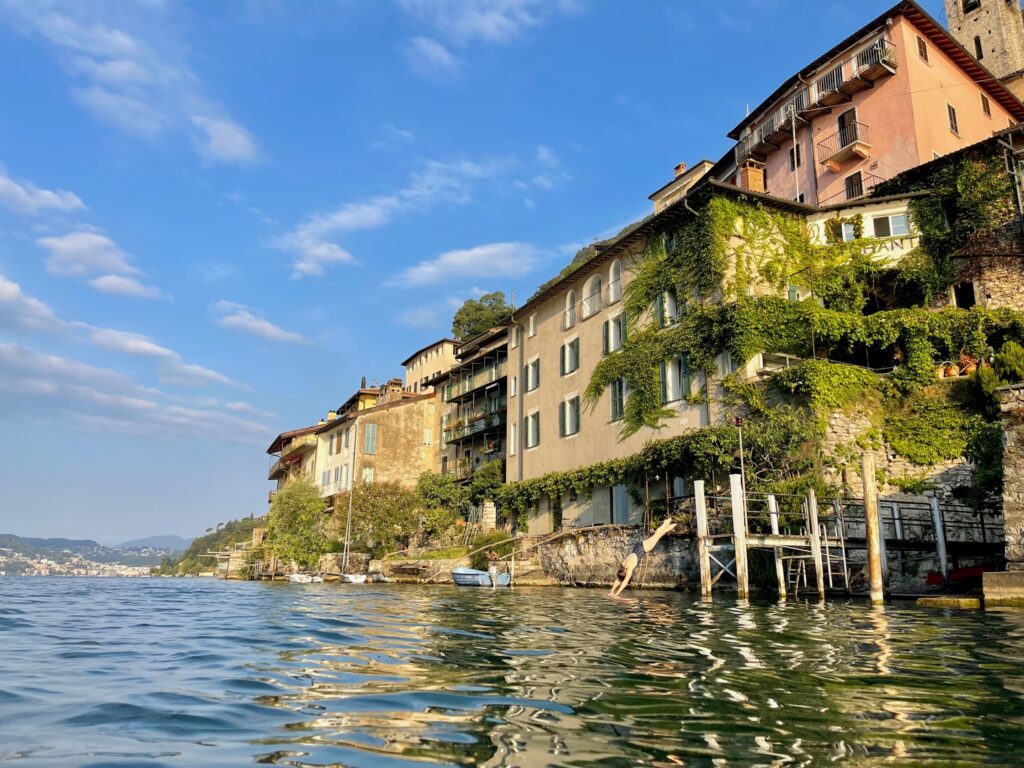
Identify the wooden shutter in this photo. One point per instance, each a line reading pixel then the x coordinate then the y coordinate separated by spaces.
pixel 664 382
pixel 606 331
pixel 561 418
pixel 562 363
pixel 575 354
pixel 576 413
pixel 659 310
pixel 684 376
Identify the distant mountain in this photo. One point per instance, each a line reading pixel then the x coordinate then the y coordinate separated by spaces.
pixel 61 550
pixel 170 543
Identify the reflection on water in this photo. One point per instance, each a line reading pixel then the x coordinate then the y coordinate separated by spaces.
pixel 196 672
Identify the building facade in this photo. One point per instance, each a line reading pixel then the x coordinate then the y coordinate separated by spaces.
pixel 428 363
pixel 993 32
pixel 894 95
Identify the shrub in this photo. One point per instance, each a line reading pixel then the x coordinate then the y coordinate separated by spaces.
pixel 497 542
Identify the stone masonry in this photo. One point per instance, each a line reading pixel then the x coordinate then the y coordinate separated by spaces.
pixel 1012 407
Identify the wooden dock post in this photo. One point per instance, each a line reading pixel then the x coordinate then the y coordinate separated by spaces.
pixel 872 528
pixel 780 571
pixel 940 539
pixel 815 534
pixel 703 552
pixel 739 534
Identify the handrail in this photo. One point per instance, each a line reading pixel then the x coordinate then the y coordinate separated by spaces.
pixel 868 182
pixel 849 134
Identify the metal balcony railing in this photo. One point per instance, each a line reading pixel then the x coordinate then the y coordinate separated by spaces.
pixel 847 136
pixel 855 189
pixel 613 292
pixel 474 381
pixel 874 61
pixel 591 304
pixel 569 318
pixel 476 424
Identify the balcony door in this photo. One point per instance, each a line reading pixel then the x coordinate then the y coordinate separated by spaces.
pixel 847 127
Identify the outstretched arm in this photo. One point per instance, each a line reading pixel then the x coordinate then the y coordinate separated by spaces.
pixel 621 585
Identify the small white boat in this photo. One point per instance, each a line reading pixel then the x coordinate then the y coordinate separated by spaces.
pixel 354 578
pixel 305 578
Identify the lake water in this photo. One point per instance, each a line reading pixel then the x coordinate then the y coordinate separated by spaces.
pixel 204 673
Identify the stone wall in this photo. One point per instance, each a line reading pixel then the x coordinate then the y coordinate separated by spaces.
pixel 590 559
pixel 845 428
pixel 1012 408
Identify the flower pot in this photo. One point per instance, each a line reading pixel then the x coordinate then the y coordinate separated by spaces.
pixel 951 371
pixel 969 369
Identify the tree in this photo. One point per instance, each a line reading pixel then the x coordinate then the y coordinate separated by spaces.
pixel 295 530
pixel 485 482
pixel 479 315
pixel 385 516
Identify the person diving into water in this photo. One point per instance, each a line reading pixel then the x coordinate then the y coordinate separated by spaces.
pixel 640 550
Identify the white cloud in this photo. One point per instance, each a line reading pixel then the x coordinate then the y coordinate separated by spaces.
pixel 313 241
pixel 392 137
pixel 19 312
pixel 224 140
pixel 489 21
pixel 43 387
pixel 82 253
pixel 490 261
pixel 134 76
pixel 237 317
pixel 119 285
pixel 25 197
pixel 419 317
pixel 130 343
pixel 431 60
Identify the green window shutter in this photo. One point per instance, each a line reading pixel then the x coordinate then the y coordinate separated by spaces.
pixel 562 354
pixel 576 412
pixel 606 328
pixel 623 323
pixel 664 382
pixel 575 354
pixel 793 295
pixel 370 439
pixel 561 419
pixel 536 429
pixel 659 310
pixel 684 375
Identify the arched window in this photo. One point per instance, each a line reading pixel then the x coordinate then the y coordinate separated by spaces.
pixel 615 282
pixel 592 296
pixel 971 5
pixel 979 52
pixel 569 320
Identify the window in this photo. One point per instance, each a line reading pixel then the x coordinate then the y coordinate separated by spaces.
pixel 922 48
pixel 569 417
pixel 963 295
pixel 615 282
pixel 516 334
pixel 854 186
pixel 325 478
pixel 591 296
pixel 801 198
pixel 618 393
pixel 614 334
pixel 346 437
pixel 531 430
pixel 849 231
pixel 892 226
pixel 533 375
pixel 532 326
pixel 370 439
pixel 986 107
pixel 953 125
pixel 793 293
pixel 512 440
pixel 979 52
pixel 367 474
pixel 344 476
pixel 337 474
pixel 666 309
pixel 513 386
pixel 569 359
pixel 795 160
pixel 330 445
pixel 428 435
pixel 971 5
pixel 675 379
pixel 569 320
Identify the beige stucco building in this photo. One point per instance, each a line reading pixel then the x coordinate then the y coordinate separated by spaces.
pixel 427 364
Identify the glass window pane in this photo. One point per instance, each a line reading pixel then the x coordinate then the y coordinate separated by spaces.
pixel 900 225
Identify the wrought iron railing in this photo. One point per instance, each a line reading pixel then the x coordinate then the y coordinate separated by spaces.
pixel 849 134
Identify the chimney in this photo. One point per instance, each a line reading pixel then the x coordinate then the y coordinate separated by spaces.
pixel 332 415
pixel 752 176
pixel 680 169
pixel 362 384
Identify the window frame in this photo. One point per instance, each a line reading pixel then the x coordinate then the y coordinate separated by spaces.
pixel 532 378
pixel 615 281
pixel 986 105
pixel 370 440
pixel 592 290
pixel 953 120
pixel 531 432
pixel 922 49
pixel 570 406
pixel 572 346
pixel 617 394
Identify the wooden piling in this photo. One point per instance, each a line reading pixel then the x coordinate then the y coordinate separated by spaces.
pixel 739 535
pixel 815 534
pixel 872 528
pixel 940 539
pixel 703 551
pixel 780 571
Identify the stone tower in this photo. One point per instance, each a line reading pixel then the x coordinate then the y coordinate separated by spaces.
pixel 993 32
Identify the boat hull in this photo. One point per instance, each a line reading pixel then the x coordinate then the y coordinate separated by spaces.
pixel 470 577
pixel 354 578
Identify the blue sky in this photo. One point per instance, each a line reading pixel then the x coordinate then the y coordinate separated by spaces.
pixel 216 217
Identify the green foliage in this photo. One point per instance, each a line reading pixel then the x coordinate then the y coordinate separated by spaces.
pixel 1009 363
pixel 825 387
pixel 929 429
pixel 476 316
pixel 385 517
pixel 222 538
pixel 438 491
pixel 486 481
pixel 985 452
pixel 496 542
pixel 295 529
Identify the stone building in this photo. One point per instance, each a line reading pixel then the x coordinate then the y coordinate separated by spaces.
pixel 993 32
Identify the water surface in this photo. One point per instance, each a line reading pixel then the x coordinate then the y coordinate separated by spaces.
pixel 193 672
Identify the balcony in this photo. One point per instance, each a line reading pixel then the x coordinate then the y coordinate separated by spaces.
pixel 613 292
pixel 299 445
pixel 856 188
pixel 569 318
pixel 474 381
pixel 850 141
pixel 476 424
pixel 836 86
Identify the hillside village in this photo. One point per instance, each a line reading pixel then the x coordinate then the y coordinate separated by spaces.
pixel 846 279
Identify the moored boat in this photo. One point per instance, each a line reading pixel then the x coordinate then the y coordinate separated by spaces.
pixel 470 577
pixel 305 578
pixel 354 578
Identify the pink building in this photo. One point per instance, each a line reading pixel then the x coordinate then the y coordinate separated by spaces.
pixel 895 94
